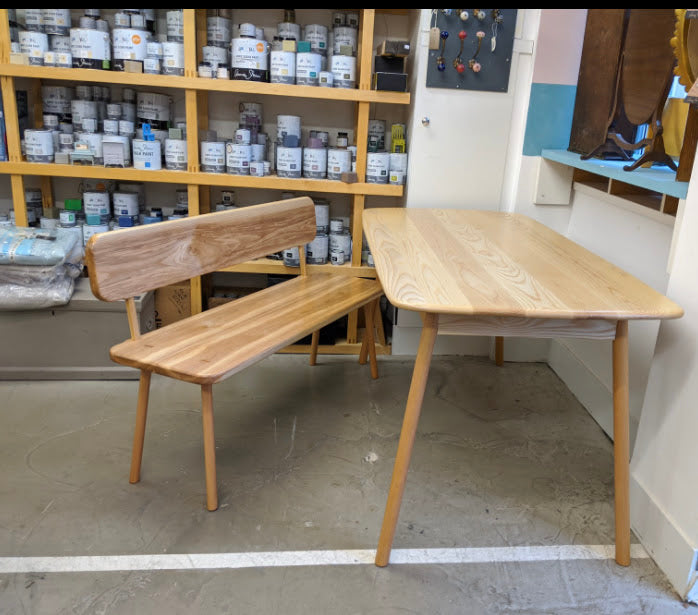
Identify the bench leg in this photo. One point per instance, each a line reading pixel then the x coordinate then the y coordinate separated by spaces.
pixel 139 432
pixel 499 351
pixel 209 446
pixel 369 344
pixel 314 343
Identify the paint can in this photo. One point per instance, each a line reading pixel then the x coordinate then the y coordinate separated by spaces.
pixel 238 157
pixel 337 257
pixel 308 67
pixel 336 225
pixel 283 67
pixel 175 26
pixel 242 136
pixel 322 216
pixel 257 168
pixel 176 154
pixel 44 222
pixel 218 31
pixel 39 145
pixel 258 152
pixel 353 20
pixel 122 20
pixel 50 121
pixel 153 109
pixel 292 257
pixel 215 56
pixel 341 242
pixel 338 162
pixel 34 20
pixel 344 71
pixel 59 43
pixel 125 143
pixel 377 167
pixel 88 230
pixel 289 31
pixel 49 58
pixel 396 178
pixel 127 128
pixel 251 115
pixel 326 79
pixel 398 162
pixel 56 21
pixel 90 48
pixel 128 111
pixel 344 36
pixel 81 110
pixel 314 160
pixel 317 250
pixel 96 206
pixel 316 35
pixel 172 58
pixel 289 161
pixel 34 45
pixel 56 99
pixel 249 59
pixel 287 125
pixel 376 135
pixel 89 124
pixel 127 221
pixel 125 203
pixel 128 44
pixel 147 154
pixel 213 156
pixel 94 142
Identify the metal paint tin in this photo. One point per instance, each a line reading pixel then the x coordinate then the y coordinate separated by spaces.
pixel 283 67
pixel 34 20
pixel 376 135
pixel 125 203
pixel 289 31
pixel 49 58
pixel 398 162
pixel 339 18
pixel 125 143
pixel 90 48
pixel 344 36
pixel 92 229
pixel 56 21
pixel 81 109
pixel 317 250
pixel 289 161
pixel 128 111
pixel 353 20
pixel 56 99
pixel 89 124
pixel 175 26
pixel 59 43
pixel 172 58
pixel 153 109
pixel 377 167
pixel 292 257
pixel 213 156
pixel 337 257
pixel 314 162
pixel 111 127
pixel 176 154
pixel 34 45
pixel 237 158
pixel 64 59
pixel 128 44
pixel 397 178
pixel 338 162
pixel 341 241
pixel 308 67
pixel 153 49
pixel 50 121
pixel 259 152
pixel 122 20
pixel 242 136
pixel 127 128
pixel 326 79
pixel 215 56
pixel 96 206
pixel 147 154
pixel 138 21
pixel 114 111
pixel 322 217
pixel 218 31
pixel 249 59
pixel 257 168
pixel 336 225
pixel 344 71
pixel 287 125
pixel 39 145
pixel 316 35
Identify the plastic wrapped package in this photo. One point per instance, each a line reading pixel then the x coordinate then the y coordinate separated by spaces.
pixel 20 245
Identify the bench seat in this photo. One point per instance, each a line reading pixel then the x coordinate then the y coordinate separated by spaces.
pixel 208 347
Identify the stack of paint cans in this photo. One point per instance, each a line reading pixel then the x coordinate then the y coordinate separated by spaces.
pixel 344 45
pixel 317 251
pixel 339 241
pixel 385 162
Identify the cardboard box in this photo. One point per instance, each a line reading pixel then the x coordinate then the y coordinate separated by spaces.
pixel 394 82
pixel 223 295
pixel 399 48
pixel 172 303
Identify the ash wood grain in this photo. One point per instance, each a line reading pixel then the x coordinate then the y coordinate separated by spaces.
pixel 621 443
pixel 128 262
pixel 499 264
pixel 209 347
pixel 513 326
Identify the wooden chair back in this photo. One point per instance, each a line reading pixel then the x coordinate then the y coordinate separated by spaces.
pixel 126 263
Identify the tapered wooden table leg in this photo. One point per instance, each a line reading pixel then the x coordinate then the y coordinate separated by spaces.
pixel 314 343
pixel 369 339
pixel 209 446
pixel 621 443
pixel 407 434
pixel 499 350
pixel 139 432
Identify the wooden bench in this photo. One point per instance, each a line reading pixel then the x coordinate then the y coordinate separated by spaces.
pixel 208 347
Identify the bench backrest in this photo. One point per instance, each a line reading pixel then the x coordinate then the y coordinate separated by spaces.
pixel 125 263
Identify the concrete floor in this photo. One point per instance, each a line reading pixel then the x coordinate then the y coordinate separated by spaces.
pixel 504 457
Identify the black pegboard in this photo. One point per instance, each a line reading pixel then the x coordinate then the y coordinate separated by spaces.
pixel 495 65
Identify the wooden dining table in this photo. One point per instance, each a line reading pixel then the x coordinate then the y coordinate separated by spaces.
pixel 490 273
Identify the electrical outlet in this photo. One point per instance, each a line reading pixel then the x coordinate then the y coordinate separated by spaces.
pixel 434 38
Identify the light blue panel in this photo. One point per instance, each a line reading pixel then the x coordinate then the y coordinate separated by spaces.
pixel 549 121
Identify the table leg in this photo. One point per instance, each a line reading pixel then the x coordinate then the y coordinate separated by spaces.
pixel 621 443
pixel 499 350
pixel 407 434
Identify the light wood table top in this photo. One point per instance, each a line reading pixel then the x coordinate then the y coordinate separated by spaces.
pixel 473 262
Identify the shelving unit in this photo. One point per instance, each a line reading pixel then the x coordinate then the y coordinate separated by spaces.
pixel 198 183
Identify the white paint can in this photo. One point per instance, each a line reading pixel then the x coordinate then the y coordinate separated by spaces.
pixel 59 44
pixel 34 45
pixel 341 242
pixel 353 20
pixel 129 44
pixel 317 251
pixel 314 162
pixel 397 178
pixel 34 20
pixel 122 20
pixel 249 59
pixel 90 48
pixel 153 109
pixel 289 161
pixel 176 154
pixel 92 229
pixel 125 203
pixel 213 156
pixel 152 66
pixel 94 142
pixel 39 145
pixel 147 155
pixel 338 162
pixel 175 26
pixel 64 59
pixel 376 135
pixel 336 225
pixel 96 206
pixel 344 71
pixel 218 31
pixel 398 162
pixel 111 127
pixel 377 167
pixel 56 99
pixel 125 143
pixel 287 125
pixel 257 168
pixel 283 67
pixel 128 111
pixel 289 30
pixel 250 113
pixel 81 110
pixel 215 56
pixel 326 79
pixel 127 128
pixel 308 67
pixel 292 257
pixel 172 58
pixel 344 36
pixel 337 257
pixel 56 21
pixel 242 136
pixel 322 217
pixel 316 35
pixel 259 152
pixel 238 157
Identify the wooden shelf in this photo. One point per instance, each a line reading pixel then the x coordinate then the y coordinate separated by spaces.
pixel 204 179
pixel 91 75
pixel 271 266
